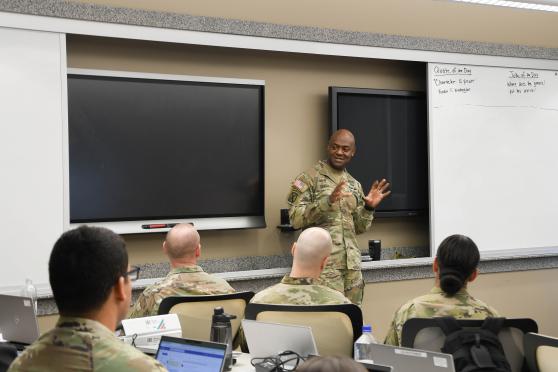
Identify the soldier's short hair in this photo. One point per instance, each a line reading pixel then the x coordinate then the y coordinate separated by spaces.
pixel 84 265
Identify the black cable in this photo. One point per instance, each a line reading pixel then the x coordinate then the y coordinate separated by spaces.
pixel 134 336
pixel 277 363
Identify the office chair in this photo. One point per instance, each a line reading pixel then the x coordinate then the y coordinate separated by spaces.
pixel 195 312
pixel 541 352
pixel 8 353
pixel 424 333
pixel 335 327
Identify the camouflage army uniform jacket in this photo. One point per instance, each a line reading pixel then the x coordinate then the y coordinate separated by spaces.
pixel 309 206
pixel 79 344
pixel 299 291
pixel 461 305
pixel 182 281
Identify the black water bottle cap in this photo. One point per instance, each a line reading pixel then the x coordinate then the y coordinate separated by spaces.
pixel 219 315
pixel 218 311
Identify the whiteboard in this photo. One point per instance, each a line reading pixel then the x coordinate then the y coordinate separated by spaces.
pixel 31 152
pixel 493 142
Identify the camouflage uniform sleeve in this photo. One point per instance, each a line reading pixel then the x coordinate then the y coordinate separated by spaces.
pixel 404 313
pixel 304 209
pixel 143 306
pixel 145 364
pixel 361 216
pixel 391 337
pixel 126 358
pixel 15 366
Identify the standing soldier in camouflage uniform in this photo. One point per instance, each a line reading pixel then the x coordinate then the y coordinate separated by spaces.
pixel 182 246
pixel 328 196
pixel 90 280
pixel 454 266
pixel 301 286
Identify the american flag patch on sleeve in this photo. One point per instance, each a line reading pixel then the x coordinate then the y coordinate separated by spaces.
pixel 299 184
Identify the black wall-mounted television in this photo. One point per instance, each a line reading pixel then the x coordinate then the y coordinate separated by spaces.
pixel 390 128
pixel 147 150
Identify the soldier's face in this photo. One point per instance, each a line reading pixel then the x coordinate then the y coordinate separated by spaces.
pixel 341 149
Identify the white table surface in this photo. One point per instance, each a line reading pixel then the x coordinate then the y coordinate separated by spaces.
pixel 243 364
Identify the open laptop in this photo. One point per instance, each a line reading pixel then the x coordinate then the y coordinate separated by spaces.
pixel 269 339
pixel 403 359
pixel 181 354
pixel 18 322
pixel 372 367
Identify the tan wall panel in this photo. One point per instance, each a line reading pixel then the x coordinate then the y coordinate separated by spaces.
pixel 524 294
pixel 423 18
pixel 296 106
pixel 47 322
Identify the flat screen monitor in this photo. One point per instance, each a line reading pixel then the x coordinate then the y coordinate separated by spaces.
pixel 150 150
pixel 390 128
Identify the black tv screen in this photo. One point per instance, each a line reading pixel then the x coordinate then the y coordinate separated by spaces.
pixel 390 129
pixel 149 149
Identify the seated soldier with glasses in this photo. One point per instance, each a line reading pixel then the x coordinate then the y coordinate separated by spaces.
pixel 91 283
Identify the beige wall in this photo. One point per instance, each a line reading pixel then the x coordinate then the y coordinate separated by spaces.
pixel 525 294
pixel 423 18
pixel 296 105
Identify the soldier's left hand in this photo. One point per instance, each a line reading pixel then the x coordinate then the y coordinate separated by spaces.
pixel 377 193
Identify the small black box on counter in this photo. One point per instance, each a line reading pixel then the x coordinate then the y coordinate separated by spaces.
pixel 375 249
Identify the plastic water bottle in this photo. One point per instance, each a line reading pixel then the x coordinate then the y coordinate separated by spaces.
pixel 361 344
pixel 221 331
pixel 29 290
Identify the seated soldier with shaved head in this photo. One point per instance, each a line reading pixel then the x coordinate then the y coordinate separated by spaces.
pixel 301 286
pixel 182 247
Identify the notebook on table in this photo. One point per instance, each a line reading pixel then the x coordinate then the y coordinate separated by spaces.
pixel 18 321
pixel 181 354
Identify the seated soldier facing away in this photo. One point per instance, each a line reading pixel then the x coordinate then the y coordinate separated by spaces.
pixel 302 286
pixel 182 247
pixel 91 283
pixel 455 265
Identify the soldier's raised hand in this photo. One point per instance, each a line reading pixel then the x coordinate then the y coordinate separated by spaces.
pixel 377 193
pixel 339 192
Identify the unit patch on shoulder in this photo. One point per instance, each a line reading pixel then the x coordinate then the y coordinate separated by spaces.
pixel 299 184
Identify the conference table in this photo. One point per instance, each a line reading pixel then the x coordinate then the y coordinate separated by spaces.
pixel 243 363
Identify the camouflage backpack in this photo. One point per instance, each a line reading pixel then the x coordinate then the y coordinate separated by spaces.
pixel 475 349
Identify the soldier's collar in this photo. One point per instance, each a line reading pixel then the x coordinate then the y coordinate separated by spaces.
pixel 330 172
pixel 186 269
pixel 304 281
pixel 83 325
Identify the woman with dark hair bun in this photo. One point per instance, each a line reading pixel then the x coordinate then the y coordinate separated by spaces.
pixel 455 265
